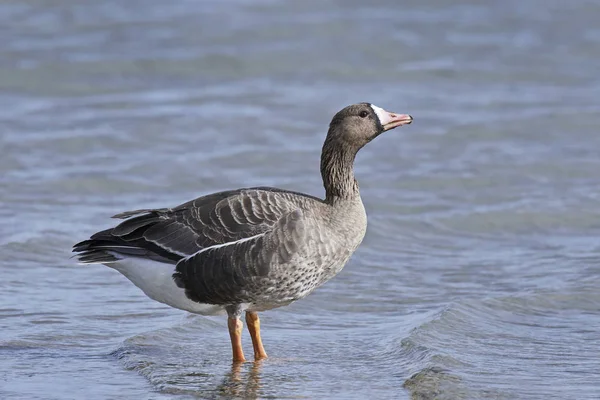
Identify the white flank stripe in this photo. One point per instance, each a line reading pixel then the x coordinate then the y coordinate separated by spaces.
pixel 172 250
pixel 217 246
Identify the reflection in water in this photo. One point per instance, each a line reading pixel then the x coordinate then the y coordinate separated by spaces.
pixel 236 385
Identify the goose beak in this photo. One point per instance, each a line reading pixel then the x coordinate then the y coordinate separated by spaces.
pixel 392 120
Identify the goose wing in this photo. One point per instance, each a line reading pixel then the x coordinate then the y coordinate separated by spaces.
pixel 228 273
pixel 172 234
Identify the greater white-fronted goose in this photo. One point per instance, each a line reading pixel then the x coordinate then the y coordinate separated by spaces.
pixel 251 249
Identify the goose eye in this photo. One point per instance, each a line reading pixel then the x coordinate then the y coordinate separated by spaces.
pixel 363 114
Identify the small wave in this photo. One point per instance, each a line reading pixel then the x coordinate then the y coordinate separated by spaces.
pixel 508 347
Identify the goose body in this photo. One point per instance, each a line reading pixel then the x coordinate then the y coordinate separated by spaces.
pixel 251 249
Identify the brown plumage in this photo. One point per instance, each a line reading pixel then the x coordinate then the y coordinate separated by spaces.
pixel 248 249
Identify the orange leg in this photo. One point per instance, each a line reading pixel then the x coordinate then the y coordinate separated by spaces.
pixel 254 327
pixel 236 326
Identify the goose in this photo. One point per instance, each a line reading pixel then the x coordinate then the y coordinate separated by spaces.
pixel 251 249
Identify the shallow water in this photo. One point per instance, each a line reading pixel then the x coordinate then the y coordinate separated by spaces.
pixel 479 276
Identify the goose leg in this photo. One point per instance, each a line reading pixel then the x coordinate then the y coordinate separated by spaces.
pixel 235 325
pixel 254 327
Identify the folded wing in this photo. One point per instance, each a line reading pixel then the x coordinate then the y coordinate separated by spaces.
pixel 169 235
pixel 226 273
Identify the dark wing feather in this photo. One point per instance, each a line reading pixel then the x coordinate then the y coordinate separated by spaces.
pixel 226 274
pixel 127 214
pixel 171 234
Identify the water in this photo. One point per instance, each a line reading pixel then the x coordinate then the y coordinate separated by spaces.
pixel 479 276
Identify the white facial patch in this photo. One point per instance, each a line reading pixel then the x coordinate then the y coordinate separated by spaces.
pixel 384 116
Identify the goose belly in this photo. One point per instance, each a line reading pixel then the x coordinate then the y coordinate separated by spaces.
pixel 155 279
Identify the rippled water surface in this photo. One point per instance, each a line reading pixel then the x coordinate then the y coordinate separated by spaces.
pixel 479 275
